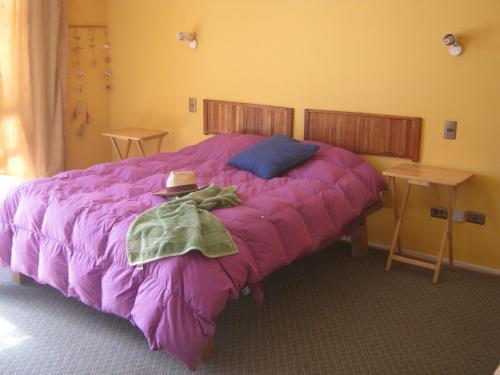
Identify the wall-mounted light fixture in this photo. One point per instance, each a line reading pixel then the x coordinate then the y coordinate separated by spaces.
pixel 189 37
pixel 454 48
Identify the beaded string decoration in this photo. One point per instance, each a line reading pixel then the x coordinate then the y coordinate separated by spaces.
pixel 107 59
pixel 79 73
pixel 80 112
pixel 90 36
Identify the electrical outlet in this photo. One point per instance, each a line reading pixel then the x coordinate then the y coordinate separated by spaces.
pixel 439 212
pixel 450 129
pixel 192 104
pixel 475 217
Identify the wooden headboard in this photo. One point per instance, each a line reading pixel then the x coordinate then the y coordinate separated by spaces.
pixel 231 117
pixel 365 133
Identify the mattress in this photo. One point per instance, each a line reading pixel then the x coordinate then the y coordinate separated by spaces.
pixel 69 231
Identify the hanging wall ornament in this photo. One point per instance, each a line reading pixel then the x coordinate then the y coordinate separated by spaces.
pixel 82 115
pixel 79 88
pixel 79 73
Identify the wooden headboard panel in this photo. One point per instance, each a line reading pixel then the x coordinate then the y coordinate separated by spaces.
pixel 365 133
pixel 231 117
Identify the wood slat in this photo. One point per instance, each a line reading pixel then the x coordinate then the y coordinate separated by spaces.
pixel 413 261
pixel 232 117
pixel 364 133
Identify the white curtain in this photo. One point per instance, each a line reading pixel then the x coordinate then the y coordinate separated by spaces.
pixel 33 48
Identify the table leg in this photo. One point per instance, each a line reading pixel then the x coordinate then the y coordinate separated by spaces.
pixel 208 350
pixel 127 150
pixel 398 227
pixel 394 193
pixel 160 140
pixel 452 198
pixel 18 277
pixel 141 149
pixel 117 149
pixel 448 231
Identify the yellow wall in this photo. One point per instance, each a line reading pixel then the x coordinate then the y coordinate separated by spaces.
pixel 381 56
pixel 92 148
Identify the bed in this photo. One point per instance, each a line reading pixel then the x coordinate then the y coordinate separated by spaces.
pixel 69 230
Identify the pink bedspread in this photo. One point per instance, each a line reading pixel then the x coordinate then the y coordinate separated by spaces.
pixel 69 231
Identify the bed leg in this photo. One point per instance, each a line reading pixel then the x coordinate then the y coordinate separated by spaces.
pixel 359 241
pixel 18 277
pixel 208 350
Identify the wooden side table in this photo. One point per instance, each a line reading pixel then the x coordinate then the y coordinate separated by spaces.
pixel 416 174
pixel 138 135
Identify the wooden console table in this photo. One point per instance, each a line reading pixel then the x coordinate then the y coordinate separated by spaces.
pixel 416 174
pixel 137 135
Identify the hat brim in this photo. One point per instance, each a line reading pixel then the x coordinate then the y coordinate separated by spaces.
pixel 165 192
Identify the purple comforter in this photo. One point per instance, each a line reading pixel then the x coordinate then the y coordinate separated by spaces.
pixel 69 231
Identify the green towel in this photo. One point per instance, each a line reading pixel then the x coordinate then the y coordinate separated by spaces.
pixel 181 225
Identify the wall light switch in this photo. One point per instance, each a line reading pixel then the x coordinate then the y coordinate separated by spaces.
pixel 192 104
pixel 450 129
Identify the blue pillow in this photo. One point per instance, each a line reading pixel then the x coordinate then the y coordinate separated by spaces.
pixel 274 155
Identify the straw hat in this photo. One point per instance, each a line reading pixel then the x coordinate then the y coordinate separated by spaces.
pixel 179 182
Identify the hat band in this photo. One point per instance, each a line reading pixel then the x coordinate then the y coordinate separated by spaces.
pixel 181 188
